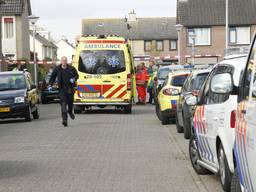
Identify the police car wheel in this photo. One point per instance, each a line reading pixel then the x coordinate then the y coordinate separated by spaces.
pixel 28 115
pixel 224 172
pixel 194 156
pixel 235 183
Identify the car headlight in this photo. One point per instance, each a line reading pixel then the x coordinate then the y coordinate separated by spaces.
pixel 19 100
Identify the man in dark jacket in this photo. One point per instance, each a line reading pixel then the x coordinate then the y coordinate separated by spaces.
pixel 67 77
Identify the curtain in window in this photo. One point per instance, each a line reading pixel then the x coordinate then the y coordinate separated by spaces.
pixel 243 35
pixel 203 36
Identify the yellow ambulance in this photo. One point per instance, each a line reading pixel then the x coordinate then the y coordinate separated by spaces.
pixel 106 73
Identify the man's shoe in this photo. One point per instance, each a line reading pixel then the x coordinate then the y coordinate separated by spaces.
pixel 65 123
pixel 72 116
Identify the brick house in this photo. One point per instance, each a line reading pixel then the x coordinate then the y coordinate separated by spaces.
pixel 150 37
pixel 14 29
pixel 206 19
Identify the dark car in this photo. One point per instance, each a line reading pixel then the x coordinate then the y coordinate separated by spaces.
pixel 185 112
pixel 18 96
pixel 46 95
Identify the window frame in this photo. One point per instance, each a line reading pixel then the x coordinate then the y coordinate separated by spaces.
pixel 145 45
pixel 159 41
pixel 4 22
pixel 192 29
pixel 234 28
pixel 170 44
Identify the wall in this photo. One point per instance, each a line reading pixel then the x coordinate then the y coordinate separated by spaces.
pixel 65 49
pixel 22 31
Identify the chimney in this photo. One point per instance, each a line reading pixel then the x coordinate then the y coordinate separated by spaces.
pixel 132 17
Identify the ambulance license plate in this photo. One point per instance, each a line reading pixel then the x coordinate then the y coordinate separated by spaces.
pixel 5 110
pixel 90 95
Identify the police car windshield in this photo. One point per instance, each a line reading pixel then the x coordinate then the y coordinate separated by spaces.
pixel 178 81
pixel 163 73
pixel 12 82
pixel 102 62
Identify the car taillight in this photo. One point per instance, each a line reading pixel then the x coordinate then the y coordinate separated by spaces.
pixel 129 82
pixel 233 119
pixel 170 92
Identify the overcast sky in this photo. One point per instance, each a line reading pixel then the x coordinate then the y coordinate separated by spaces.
pixel 63 17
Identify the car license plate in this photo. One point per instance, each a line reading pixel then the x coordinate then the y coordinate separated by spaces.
pixel 4 110
pixel 90 95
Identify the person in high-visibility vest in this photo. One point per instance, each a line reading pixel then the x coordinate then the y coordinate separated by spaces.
pixel 141 84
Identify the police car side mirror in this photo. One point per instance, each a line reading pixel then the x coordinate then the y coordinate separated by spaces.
pixel 221 83
pixel 191 101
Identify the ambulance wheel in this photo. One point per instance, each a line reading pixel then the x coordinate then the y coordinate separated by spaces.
pixel 128 109
pixel 224 172
pixel 235 183
pixel 78 109
pixel 194 157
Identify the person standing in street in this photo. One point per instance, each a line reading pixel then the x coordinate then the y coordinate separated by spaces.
pixel 150 81
pixel 67 77
pixel 141 84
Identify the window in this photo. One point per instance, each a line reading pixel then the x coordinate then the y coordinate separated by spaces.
pixel 240 35
pixel 173 45
pixel 159 45
pixel 8 28
pixel 178 81
pixel 102 62
pixel 147 45
pixel 202 36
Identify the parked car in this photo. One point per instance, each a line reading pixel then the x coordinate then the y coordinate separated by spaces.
pixel 162 75
pixel 18 96
pixel 185 112
pixel 245 150
pixel 46 95
pixel 168 96
pixel 211 147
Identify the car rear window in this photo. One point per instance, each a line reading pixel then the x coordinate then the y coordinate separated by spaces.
pixel 178 81
pixel 163 73
pixel 102 62
pixel 198 81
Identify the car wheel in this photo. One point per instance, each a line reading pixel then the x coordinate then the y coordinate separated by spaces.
pixel 224 172
pixel 165 121
pixel 178 127
pixel 158 112
pixel 235 183
pixel 36 114
pixel 194 157
pixel 187 128
pixel 128 109
pixel 28 115
pixel 78 109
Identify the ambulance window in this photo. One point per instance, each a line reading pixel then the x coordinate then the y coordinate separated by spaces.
pixel 102 62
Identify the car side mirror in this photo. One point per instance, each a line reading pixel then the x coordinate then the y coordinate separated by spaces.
pixel 221 83
pixel 191 101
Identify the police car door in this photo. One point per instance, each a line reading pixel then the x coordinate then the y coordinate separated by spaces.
pixel 246 125
pixel 205 128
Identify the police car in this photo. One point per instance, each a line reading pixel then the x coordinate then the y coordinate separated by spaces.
pixel 211 147
pixel 245 150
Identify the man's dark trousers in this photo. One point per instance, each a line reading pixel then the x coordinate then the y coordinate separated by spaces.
pixel 66 99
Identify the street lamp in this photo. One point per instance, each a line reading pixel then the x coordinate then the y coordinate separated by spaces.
pixel 227 24
pixel 33 19
pixel 179 29
pixel 193 37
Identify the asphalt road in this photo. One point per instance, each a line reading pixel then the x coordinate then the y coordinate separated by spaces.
pixel 101 151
